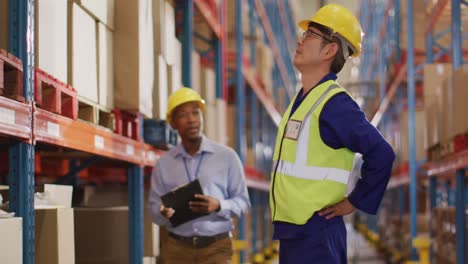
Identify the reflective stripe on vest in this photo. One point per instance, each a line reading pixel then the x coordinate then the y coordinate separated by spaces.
pixel 300 169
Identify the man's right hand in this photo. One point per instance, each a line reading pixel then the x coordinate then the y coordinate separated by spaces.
pixel 166 211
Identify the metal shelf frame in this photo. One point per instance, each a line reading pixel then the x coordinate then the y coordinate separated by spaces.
pixel 454 166
pixel 29 125
pixel 21 154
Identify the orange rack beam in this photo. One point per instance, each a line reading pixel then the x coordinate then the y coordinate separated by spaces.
pixel 15 119
pixel 65 132
pixel 448 165
pixel 210 14
pixel 254 180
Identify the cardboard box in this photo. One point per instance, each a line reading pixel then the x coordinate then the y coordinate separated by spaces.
pixel 434 76
pixel 60 195
pixel 106 66
pixel 102 235
pixel 170 36
pixel 454 107
pixel 250 158
pixel 174 78
pixel 231 131
pixel 164 30
pixel 460 108
pixel 134 56
pixel 4 24
pixel 149 260
pixel 55 240
pixel 160 92
pixel 51 41
pixel 11 240
pixel 221 121
pixel 104 196
pixel 82 41
pixel 420 130
pixel 210 122
pixel 151 235
pixel 196 72
pixel 178 55
pixel 102 10
pixel 208 85
pixel 215 121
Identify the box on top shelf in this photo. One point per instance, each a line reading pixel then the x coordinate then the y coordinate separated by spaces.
pixel 232 19
pixel 419 18
pixel 160 92
pixel 174 78
pixel 420 126
pixel 4 24
pixel 102 10
pixel 434 76
pixel 454 107
pixel 215 121
pixel 82 70
pixel 196 67
pixel 208 85
pixel 134 56
pixel 164 30
pixel 51 40
pixel 106 66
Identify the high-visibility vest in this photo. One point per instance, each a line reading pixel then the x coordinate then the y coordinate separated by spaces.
pixel 307 174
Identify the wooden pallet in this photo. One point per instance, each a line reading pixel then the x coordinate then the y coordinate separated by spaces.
pixel 11 76
pixel 96 114
pixel 448 147
pixel 55 96
pixel 128 124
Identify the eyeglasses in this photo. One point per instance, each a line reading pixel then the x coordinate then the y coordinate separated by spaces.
pixel 309 33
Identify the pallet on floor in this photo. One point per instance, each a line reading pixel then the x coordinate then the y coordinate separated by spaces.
pixel 96 114
pixel 54 95
pixel 11 76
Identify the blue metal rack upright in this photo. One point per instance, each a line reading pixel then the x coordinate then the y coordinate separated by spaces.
pixel 411 125
pixel 135 214
pixel 21 154
pixel 433 52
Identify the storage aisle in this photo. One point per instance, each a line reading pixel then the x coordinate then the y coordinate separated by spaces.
pixel 359 249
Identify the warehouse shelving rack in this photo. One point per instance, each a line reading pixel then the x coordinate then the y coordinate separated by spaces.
pixel 26 126
pixel 451 168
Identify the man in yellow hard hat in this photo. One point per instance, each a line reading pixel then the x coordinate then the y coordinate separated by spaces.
pixel 218 169
pixel 318 137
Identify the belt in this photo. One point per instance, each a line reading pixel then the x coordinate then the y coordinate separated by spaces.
pixel 200 241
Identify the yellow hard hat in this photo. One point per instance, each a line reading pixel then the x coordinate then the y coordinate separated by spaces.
pixel 182 96
pixel 341 21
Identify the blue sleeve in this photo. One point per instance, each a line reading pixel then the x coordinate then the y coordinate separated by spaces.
pixel 344 125
pixel 237 201
pixel 157 190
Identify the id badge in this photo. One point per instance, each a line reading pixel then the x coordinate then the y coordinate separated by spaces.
pixel 292 129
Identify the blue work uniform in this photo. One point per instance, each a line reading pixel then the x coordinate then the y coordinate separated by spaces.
pixel 342 125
